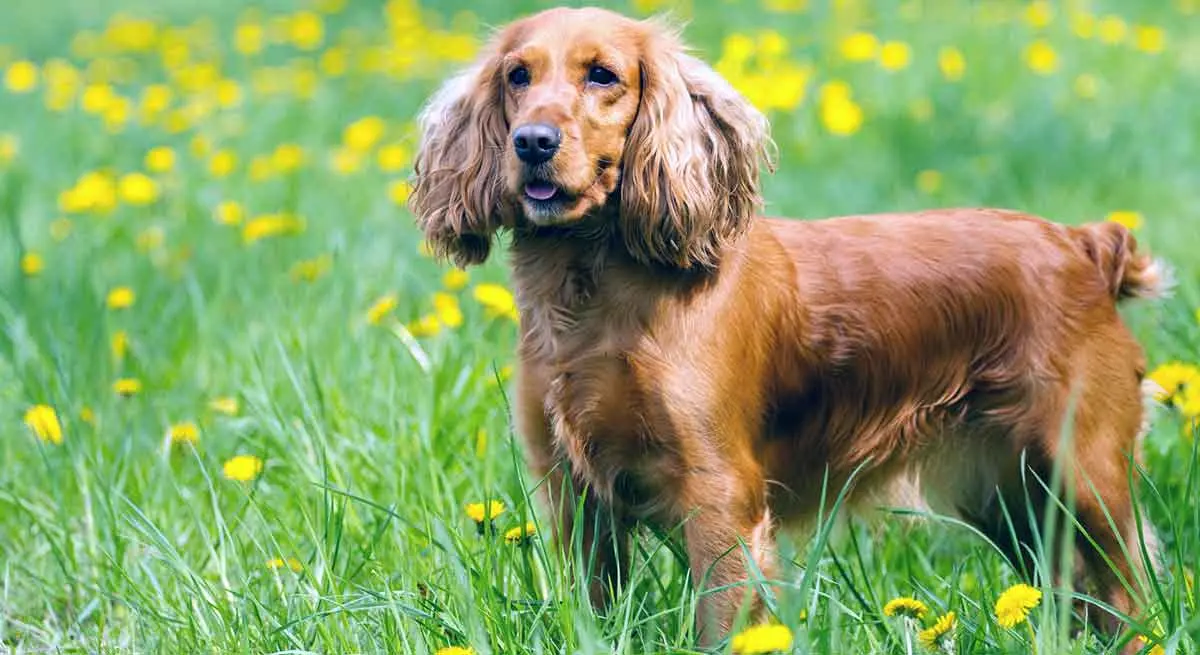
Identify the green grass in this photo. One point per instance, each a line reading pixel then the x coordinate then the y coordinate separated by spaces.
pixel 111 542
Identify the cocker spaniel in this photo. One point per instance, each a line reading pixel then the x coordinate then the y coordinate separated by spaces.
pixel 683 359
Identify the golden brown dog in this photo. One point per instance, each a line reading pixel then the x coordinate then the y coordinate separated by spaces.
pixel 682 358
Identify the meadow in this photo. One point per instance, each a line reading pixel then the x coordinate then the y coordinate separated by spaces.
pixel 243 411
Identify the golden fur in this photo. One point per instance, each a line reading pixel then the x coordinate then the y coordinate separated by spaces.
pixel 683 358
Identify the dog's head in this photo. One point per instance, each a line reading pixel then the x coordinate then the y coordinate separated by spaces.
pixel 577 115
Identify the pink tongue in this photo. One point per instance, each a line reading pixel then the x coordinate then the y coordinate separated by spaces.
pixel 540 190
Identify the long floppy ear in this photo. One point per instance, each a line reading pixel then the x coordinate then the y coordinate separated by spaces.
pixel 457 185
pixel 691 164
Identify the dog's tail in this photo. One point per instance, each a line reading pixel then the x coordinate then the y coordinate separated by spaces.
pixel 1127 272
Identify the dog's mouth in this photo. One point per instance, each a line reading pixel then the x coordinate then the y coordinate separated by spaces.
pixel 541 191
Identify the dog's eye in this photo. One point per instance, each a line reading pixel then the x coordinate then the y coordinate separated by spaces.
pixel 601 76
pixel 519 76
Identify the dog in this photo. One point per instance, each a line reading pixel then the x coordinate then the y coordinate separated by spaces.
pixel 684 359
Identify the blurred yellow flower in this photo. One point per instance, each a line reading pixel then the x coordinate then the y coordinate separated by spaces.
pixel 1039 14
pixel 345 161
pixel 288 157
pixel 952 63
pixel 21 76
pixel 894 55
pixel 120 298
pixel 160 159
pixel 310 270
pixel 200 146
pixel 183 433
pixel 333 62
pixel 32 264
pixel 87 415
pixel 1083 24
pixel 271 225
pixel 291 563
pixel 455 279
pixel 399 191
pixel 9 147
pixel 260 168
pixel 306 30
pixel 859 46
pixel 95 191
pixel 226 405
pixel 127 387
pixel 1130 219
pixel 455 650
pixel 785 6
pixel 479 513
pixel 521 533
pixel 229 93
pixel 137 189
pixel 1041 58
pixel 155 99
pixel 248 38
pixel 931 636
pixel 222 163
pixel 381 308
pixel 43 421
pixel 364 133
pixel 840 114
pixel 392 158
pixel 1014 605
pixel 448 311
pixel 242 468
pixel 426 326
pixel 760 639
pixel 97 98
pixel 119 345
pixel 1156 649
pixel 497 300
pixel 905 606
pixel 1111 29
pixel 1172 377
pixel 229 212
pixel 1149 39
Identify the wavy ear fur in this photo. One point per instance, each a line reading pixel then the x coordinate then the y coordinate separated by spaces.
pixel 456 193
pixel 691 165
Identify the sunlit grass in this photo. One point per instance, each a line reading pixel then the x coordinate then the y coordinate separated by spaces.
pixel 246 412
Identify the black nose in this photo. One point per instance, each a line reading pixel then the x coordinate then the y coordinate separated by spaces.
pixel 536 142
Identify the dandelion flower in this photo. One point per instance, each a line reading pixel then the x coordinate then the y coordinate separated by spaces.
pixel 43 421
pixel 280 562
pixel 229 212
pixel 952 63
pixel 248 38
pixel 1041 58
pixel 9 147
pixel 381 308
pixel 894 55
pixel 160 160
pixel 399 191
pixel 455 279
pixel 905 606
pixel 931 636
pixel 841 115
pixel 455 650
pixel 1039 14
pixel 1111 29
pixel 225 405
pixel 1130 219
pixel 497 300
pixel 426 326
pixel 119 345
pixel 120 298
pixel 520 534
pixel 222 163
pixel 859 46
pixel 364 133
pixel 767 638
pixel 270 225
pixel 476 511
pixel 183 433
pixel 126 387
pixel 242 468
pixel 137 189
pixel 392 158
pixel 310 270
pixel 1149 39
pixel 447 309
pixel 32 264
pixel 306 30
pixel 1015 603
pixel 288 157
pixel 21 76
pixel 1174 376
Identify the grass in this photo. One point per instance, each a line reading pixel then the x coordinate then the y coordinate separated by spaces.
pixel 374 438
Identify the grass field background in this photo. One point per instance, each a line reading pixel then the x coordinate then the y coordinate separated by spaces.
pixel 205 255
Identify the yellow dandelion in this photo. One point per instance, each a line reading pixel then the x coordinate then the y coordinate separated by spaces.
pixel 520 534
pixel 119 345
pixel 1149 39
pixel 841 115
pixel 905 606
pixel 1130 219
pixel 127 387
pixel 333 62
pixel 306 30
pixel 32 264
pixel 291 563
pixel 120 298
pixel 894 55
pixel 479 513
pixel 226 405
pixel 248 38
pixel 455 650
pixel 288 157
pixel 931 636
pixel 952 63
pixel 222 163
pixel 43 421
pixel 310 270
pixel 426 326
pixel 1039 14
pixel 859 46
pixel 138 189
pixel 364 133
pixel 1188 402
pixel 345 161
pixel 503 374
pixel 392 158
pixel 229 212
pixel 183 433
pixel 447 309
pixel 399 191
pixel 1014 605
pixel 381 308
pixel 270 225
pixel 766 638
pixel 21 76
pixel 242 468
pixel 497 300
pixel 160 160
pixel 455 279
pixel 1155 649
pixel 1111 29
pixel 1041 58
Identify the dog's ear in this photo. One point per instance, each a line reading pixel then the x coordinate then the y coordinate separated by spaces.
pixel 456 193
pixel 690 172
